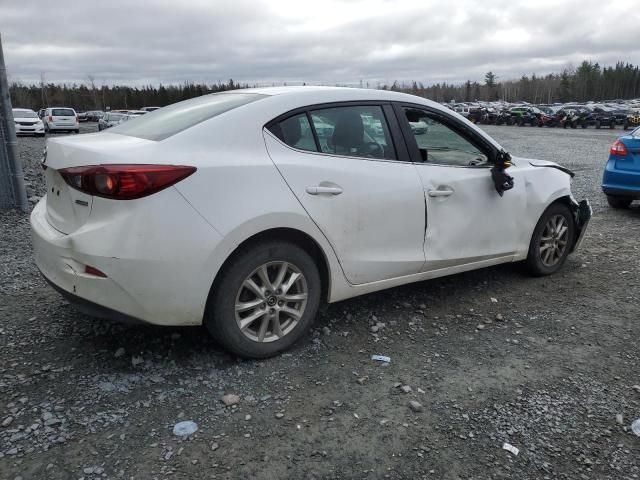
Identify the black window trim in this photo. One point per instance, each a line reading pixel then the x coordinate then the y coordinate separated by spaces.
pixel 399 143
pixel 458 127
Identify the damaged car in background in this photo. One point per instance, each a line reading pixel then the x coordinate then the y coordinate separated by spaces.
pixel 244 210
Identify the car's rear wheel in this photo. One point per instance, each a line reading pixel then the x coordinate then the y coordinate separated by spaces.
pixel 265 300
pixel 552 240
pixel 618 202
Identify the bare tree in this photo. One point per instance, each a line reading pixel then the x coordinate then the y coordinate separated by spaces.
pixel 92 84
pixel 43 91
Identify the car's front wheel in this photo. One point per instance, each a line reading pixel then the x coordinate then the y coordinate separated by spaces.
pixel 265 300
pixel 552 240
pixel 615 201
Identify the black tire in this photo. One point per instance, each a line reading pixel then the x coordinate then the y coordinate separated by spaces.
pixel 220 315
pixel 534 260
pixel 612 125
pixel 574 125
pixel 615 201
pixel 598 124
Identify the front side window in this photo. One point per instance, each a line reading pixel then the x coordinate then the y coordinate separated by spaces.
pixel 354 131
pixel 296 132
pixel 439 144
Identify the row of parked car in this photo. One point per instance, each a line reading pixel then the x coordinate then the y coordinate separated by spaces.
pixel 65 119
pixel 569 115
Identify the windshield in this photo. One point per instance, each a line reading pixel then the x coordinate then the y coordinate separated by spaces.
pixel 168 121
pixel 114 117
pixel 24 114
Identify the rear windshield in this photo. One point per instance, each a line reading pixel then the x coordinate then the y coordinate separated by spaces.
pixel 168 121
pixel 115 116
pixel 63 112
pixel 24 114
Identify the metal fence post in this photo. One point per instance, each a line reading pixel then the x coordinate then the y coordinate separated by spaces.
pixel 12 191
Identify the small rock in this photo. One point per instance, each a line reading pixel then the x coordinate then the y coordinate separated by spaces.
pixel 620 419
pixel 247 417
pixel 326 331
pixel 279 415
pixel 494 300
pixel 499 317
pixel 405 389
pixel 374 329
pixel 119 352
pixel 135 361
pixel 636 388
pixel 215 446
pixel 88 470
pixel 416 406
pixel 480 326
pixel 230 399
pixel 7 421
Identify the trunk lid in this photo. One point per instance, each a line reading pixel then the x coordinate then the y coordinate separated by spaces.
pixel 67 208
pixel 632 161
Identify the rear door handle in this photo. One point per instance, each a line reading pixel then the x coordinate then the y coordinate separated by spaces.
pixel 440 193
pixel 320 190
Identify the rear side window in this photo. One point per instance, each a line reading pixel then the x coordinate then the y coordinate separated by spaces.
pixel 354 131
pixel 296 132
pixel 63 112
pixel 168 121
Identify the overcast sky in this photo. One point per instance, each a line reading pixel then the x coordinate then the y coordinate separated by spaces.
pixel 326 41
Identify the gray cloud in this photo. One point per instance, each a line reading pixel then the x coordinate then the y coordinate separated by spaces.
pixel 262 41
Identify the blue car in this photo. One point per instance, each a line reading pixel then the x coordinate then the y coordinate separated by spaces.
pixel 621 181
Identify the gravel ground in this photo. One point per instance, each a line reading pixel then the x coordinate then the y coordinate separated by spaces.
pixel 548 365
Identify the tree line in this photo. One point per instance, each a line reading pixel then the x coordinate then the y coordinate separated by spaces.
pixel 588 82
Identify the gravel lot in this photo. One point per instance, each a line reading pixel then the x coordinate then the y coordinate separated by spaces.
pixel 549 365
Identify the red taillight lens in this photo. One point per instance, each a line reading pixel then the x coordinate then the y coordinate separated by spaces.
pixel 619 149
pixel 77 121
pixel 124 182
pixel 50 118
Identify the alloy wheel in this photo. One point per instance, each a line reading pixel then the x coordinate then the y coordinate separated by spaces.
pixel 554 240
pixel 271 301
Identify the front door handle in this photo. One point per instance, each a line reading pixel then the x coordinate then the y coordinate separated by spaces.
pixel 320 190
pixel 440 193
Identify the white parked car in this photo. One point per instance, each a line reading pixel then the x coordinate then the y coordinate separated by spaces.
pixel 61 119
pixel 230 210
pixel 27 122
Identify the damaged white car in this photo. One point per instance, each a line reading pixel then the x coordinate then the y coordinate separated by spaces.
pixel 244 210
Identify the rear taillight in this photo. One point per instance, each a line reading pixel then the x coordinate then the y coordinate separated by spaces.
pixel 619 149
pixel 124 182
pixel 50 118
pixel 77 121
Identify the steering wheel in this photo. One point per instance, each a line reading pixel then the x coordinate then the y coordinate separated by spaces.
pixel 372 150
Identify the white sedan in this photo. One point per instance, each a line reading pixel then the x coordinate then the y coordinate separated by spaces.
pixel 232 209
pixel 27 122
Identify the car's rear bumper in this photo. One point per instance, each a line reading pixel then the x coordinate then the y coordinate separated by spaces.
pixel 53 126
pixel 620 182
pixel 158 278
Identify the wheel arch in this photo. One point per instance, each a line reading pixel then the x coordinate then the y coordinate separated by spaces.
pixel 285 234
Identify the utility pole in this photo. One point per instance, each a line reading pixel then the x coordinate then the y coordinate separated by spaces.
pixel 12 191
